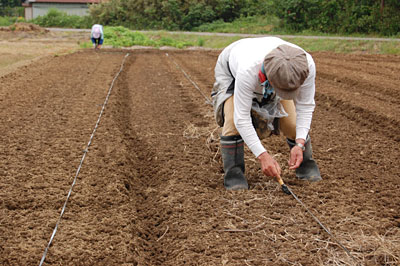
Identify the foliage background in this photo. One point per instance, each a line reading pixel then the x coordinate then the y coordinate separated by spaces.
pixel 379 17
pixel 11 8
pixel 371 17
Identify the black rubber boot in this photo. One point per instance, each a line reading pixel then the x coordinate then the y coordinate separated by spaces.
pixel 308 169
pixel 232 150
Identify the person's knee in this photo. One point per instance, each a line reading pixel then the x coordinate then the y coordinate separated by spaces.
pixel 288 128
pixel 291 134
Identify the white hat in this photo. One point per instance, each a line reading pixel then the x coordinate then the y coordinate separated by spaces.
pixel 96 33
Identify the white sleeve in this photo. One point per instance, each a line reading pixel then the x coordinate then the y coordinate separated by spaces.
pixel 305 104
pixel 243 97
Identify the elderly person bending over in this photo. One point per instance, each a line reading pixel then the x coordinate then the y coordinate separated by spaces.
pixel 264 85
pixel 97 36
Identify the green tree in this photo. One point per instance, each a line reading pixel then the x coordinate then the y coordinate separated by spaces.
pixel 331 16
pixel 339 16
pixel 11 8
pixel 197 14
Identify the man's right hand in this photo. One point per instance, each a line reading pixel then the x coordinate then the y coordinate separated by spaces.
pixel 269 166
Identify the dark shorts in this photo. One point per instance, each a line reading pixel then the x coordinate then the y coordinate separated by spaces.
pixel 97 41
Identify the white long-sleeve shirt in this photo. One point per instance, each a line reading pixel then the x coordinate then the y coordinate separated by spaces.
pixel 245 60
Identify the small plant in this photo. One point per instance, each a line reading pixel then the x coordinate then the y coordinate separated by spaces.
pixel 85 45
pixel 200 42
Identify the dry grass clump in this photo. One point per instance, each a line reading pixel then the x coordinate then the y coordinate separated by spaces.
pixel 211 136
pixel 24 27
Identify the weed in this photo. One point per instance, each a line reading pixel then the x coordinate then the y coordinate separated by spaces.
pixel 200 42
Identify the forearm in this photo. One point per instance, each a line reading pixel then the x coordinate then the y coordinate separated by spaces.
pixel 242 120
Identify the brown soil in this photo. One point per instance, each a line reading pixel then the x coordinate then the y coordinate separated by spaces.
pixel 150 189
pixel 22 48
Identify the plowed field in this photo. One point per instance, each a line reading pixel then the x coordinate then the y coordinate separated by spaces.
pixel 150 188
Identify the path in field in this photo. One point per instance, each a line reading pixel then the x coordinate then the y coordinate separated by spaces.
pixel 150 191
pixel 244 35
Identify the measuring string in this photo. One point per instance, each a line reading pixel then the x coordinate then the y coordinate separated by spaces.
pixel 85 151
pixel 188 77
pixel 290 191
pixel 320 224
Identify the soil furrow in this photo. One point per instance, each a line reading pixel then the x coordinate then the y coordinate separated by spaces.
pixel 380 68
pixel 388 127
pixel 380 91
pixel 156 126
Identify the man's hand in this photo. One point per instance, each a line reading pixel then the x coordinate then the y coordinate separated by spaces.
pixel 296 155
pixel 269 166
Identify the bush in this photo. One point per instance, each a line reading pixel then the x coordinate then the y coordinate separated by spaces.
pixel 123 37
pixel 340 16
pixel 12 11
pixel 7 21
pixel 56 18
pixel 334 16
pixel 197 14
pixel 174 14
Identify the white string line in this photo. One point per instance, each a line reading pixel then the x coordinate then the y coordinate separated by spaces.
pixel 322 226
pixel 188 77
pixel 81 162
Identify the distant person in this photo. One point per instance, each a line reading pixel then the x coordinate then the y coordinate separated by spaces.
pixel 97 36
pixel 264 85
